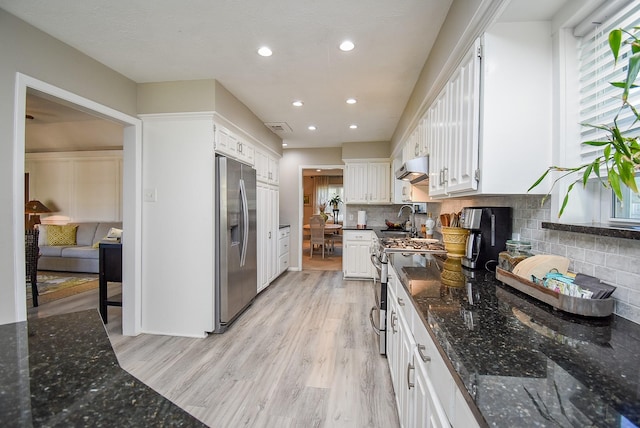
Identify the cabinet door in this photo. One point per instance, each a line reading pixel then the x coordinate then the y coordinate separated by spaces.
pixel 379 182
pixel 355 183
pixel 427 411
pixel 273 234
pixel 464 118
pixel 438 158
pixel 356 259
pixel 262 229
pixel 262 166
pixel 274 170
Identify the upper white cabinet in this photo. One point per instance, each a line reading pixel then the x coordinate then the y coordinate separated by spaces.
pixel 267 167
pixel 230 144
pixel 452 129
pixel 367 182
pixel 489 129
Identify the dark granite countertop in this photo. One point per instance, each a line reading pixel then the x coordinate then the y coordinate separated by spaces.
pixel 62 371
pixel 282 226
pixel 614 230
pixel 522 362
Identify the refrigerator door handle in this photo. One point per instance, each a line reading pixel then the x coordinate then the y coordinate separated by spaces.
pixel 245 222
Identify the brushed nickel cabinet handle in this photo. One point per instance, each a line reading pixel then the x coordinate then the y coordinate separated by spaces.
pixel 409 368
pixel 393 322
pixel 424 357
pixel 400 302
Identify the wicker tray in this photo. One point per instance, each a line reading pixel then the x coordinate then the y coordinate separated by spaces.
pixel 572 305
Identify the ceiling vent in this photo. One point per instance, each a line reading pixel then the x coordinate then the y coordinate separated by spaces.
pixel 279 126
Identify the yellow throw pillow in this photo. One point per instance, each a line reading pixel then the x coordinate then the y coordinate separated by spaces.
pixel 61 235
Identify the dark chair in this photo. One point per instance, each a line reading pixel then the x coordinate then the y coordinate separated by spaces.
pixel 31 254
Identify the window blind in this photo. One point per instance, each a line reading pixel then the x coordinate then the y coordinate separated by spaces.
pixel 600 101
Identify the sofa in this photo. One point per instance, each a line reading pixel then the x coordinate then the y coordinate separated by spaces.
pixel 81 257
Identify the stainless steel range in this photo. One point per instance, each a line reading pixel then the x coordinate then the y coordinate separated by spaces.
pixel 380 259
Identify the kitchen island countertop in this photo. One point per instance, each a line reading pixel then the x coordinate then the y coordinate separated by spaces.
pixel 62 371
pixel 521 362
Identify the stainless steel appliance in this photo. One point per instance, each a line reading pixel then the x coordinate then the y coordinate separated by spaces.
pixel 236 276
pixel 414 170
pixel 490 228
pixel 380 251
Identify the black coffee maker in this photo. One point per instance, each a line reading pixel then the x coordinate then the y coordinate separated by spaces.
pixel 489 230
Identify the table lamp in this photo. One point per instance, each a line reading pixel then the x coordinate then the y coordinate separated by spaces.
pixel 34 209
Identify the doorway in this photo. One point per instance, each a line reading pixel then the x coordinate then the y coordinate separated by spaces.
pixel 321 185
pixel 131 194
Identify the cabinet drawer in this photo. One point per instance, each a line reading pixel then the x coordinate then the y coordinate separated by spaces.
pixel 284 232
pixel 283 246
pixel 404 303
pixel 352 235
pixel 283 262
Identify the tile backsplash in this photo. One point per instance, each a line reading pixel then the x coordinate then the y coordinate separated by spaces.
pixel 614 260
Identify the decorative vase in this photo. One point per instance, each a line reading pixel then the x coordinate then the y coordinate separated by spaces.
pixel 455 240
pixel 429 225
pixel 324 215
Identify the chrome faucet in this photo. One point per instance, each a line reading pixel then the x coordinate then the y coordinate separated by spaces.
pixel 413 230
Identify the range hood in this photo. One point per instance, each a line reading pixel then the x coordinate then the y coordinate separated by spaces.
pixel 414 170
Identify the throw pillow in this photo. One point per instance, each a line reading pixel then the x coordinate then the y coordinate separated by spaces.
pixel 61 235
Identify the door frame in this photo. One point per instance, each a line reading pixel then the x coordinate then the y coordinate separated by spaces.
pixel 301 169
pixel 131 197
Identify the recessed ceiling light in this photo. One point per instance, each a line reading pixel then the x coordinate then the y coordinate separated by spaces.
pixel 312 128
pixel 264 51
pixel 297 103
pixel 347 45
pixel 354 126
pixel 351 101
pixel 284 144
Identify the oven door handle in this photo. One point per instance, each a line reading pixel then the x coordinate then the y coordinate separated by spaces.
pixel 375 261
pixel 373 324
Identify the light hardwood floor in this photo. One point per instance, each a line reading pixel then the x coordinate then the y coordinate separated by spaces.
pixel 303 355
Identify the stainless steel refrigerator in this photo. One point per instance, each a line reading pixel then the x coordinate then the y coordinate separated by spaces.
pixel 236 277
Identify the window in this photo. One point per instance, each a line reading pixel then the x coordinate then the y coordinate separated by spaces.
pixel 600 101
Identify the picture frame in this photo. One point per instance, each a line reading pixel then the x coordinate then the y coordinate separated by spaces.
pixel 307 200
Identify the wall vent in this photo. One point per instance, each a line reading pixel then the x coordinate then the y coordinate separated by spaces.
pixel 279 126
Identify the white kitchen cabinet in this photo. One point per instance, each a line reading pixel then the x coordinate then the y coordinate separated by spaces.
pixel 452 128
pixel 493 115
pixel 367 182
pixel 426 393
pixel 284 242
pixel 232 145
pixel 267 234
pixel 356 254
pixel 267 167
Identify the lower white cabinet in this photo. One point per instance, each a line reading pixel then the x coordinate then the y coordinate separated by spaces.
pixel 426 393
pixel 356 258
pixel 267 234
pixel 284 242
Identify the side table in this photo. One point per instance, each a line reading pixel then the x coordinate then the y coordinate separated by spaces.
pixel 110 271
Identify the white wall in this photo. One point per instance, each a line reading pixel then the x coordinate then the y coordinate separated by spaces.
pixel 78 186
pixel 34 53
pixel 291 209
pixel 177 228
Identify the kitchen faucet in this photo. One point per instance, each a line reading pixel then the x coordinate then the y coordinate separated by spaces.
pixel 413 230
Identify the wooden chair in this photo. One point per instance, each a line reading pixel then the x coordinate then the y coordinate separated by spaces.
pixel 316 225
pixel 31 254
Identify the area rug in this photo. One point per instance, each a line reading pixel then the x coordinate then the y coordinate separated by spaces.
pixel 58 286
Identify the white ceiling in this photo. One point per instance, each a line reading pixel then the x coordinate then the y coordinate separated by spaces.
pixel 165 40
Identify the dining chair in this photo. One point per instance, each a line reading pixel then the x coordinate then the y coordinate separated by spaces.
pixel 31 254
pixel 316 225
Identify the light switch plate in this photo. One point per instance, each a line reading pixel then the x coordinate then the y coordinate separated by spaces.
pixel 150 195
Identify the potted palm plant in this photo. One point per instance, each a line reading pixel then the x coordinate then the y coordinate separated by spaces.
pixel 620 156
pixel 335 201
